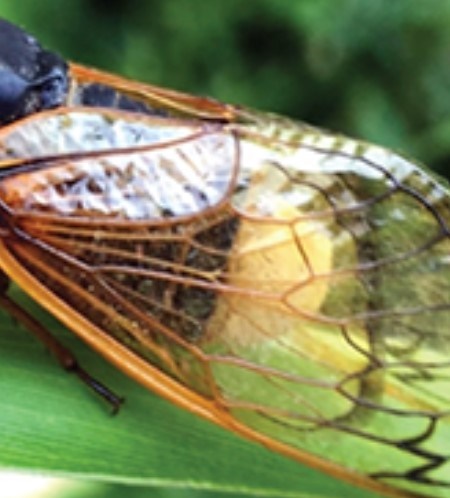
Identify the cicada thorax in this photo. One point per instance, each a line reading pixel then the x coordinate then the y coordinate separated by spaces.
pixel 290 284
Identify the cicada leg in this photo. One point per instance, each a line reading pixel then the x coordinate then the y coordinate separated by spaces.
pixel 63 355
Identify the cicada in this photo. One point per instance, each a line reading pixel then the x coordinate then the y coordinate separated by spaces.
pixel 287 283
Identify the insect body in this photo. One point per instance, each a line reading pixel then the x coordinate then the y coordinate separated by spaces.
pixel 287 283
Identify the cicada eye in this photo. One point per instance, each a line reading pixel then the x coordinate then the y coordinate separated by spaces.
pixel 50 91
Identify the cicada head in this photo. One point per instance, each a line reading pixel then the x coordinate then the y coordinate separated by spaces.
pixel 31 78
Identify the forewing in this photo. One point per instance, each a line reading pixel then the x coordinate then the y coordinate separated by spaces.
pixel 154 99
pixel 296 280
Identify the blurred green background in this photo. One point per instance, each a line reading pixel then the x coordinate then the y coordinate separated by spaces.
pixel 377 69
pixel 374 69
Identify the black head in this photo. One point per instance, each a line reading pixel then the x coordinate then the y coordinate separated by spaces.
pixel 31 78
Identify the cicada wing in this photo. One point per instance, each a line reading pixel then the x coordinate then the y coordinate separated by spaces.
pixel 294 286
pixel 161 100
